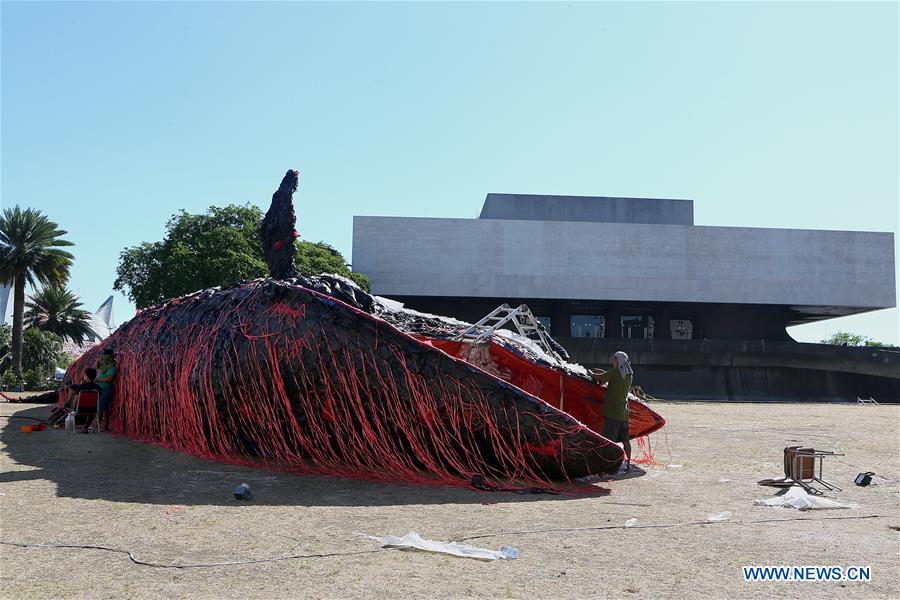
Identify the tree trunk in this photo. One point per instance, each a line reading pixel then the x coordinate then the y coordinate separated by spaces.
pixel 18 319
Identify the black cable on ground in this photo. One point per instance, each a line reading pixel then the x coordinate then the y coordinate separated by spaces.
pixel 252 561
pixel 849 464
pixel 657 526
pixel 145 563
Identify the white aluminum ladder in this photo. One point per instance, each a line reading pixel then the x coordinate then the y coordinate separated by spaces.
pixel 523 320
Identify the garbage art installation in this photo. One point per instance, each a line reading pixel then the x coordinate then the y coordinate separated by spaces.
pixel 314 375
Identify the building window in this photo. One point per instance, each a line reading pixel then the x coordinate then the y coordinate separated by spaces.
pixel 588 326
pixel 545 321
pixel 637 327
pixel 681 329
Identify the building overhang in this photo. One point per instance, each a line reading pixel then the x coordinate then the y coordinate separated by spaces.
pixel 821 273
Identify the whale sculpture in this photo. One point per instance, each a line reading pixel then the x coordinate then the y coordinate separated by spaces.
pixel 313 375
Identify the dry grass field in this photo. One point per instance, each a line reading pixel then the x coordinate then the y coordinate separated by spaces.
pixel 164 507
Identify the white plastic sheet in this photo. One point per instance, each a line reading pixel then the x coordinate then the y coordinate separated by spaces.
pixel 412 541
pixel 719 517
pixel 797 497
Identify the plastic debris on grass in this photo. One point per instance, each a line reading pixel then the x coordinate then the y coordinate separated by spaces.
pixel 412 541
pixel 719 517
pixel 797 497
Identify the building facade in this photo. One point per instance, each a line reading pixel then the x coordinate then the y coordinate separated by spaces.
pixel 603 273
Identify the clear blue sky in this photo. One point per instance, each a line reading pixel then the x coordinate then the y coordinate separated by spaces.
pixel 116 115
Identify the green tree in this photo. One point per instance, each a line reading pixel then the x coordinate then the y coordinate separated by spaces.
pixel 5 339
pixel 317 258
pixel 41 351
pixel 198 251
pixel 30 252
pixel 842 338
pixel 219 247
pixel 57 310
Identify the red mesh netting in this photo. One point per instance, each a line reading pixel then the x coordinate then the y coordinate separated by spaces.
pixel 579 397
pixel 272 374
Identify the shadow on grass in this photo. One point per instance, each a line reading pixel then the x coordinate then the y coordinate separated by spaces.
pixel 116 469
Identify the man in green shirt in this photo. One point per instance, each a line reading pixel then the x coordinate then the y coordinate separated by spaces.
pixel 615 407
pixel 105 377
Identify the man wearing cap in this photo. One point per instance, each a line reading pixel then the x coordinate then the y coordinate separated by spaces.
pixel 615 407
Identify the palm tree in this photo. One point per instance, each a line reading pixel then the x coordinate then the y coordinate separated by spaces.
pixel 30 253
pixel 57 310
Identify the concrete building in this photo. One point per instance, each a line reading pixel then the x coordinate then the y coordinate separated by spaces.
pixel 703 310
